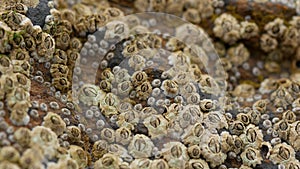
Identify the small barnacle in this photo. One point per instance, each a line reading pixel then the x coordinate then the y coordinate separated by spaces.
pixel 275 28
pixel 128 119
pixel 17 95
pixel 194 135
pixel 19 114
pixel 208 85
pixel 156 125
pixel 197 164
pixel 268 43
pixel 22 81
pixel 108 134
pixel 182 78
pixel 144 91
pixel 62 40
pixel 227 28
pixel 5 64
pixel 19 54
pixel 29 42
pixel 116 31
pixel 22 136
pixel 73 55
pixel 192 15
pixel 194 151
pixel 244 90
pixel 294 136
pixel 255 116
pixel 90 94
pixel 124 106
pixel 73 133
pixel 59 57
pixel 212 151
pixel 282 153
pixel 207 105
pixel 227 141
pixel 252 136
pixel 79 155
pixel 142 163
pixel 121 75
pixel 293 164
pixel 159 164
pixel 61 83
pixel 187 89
pixel 108 161
pixel 193 98
pixel 283 129
pixel 281 97
pixel 9 153
pixel 236 127
pixel 108 104
pixel 251 157
pixel 170 88
pixel 138 78
pixel 59 70
pixel 124 88
pixel 175 153
pixel 238 54
pixel 21 66
pixel 249 29
pixel 244 118
pixel 45 139
pixel 137 62
pixel 189 115
pixel 55 123
pixel 123 135
pixel 215 120
pixel 140 146
pixel 100 148
pixel 260 105
pixel 289 116
pixel 105 86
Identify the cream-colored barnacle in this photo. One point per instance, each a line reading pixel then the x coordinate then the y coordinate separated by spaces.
pixel 9 153
pixel 55 123
pixel 182 78
pixel 255 116
pixel 22 81
pixel 208 85
pixel 106 74
pixel 174 44
pixel 90 94
pixel 180 60
pixel 106 86
pixel 108 134
pixel 128 119
pixel 281 97
pixel 192 15
pixel 17 95
pixel 120 151
pixel 123 135
pixel 79 155
pixel 46 140
pixel 212 151
pixel 207 105
pixel 170 88
pixel 22 136
pixel 244 118
pixel 65 163
pixel 295 22
pixel 238 54
pixel 194 151
pixel 294 88
pixel 19 54
pixel 138 78
pixel 159 164
pixel 156 125
pixel 190 32
pixel 73 133
pixel 60 57
pixel 296 103
pixel 238 144
pixel 294 137
pixel 282 153
pixel 175 153
pixel 249 30
pixel 283 129
pixel 268 85
pixel 289 116
pixel 124 88
pixel 115 31
pixel 268 43
pixel 31 158
pixel 121 76
pixel 100 148
pixel 275 28
pixel 113 13
pixel 137 62
pixel 59 70
pixel 125 105
pixel 290 40
pixel 109 104
pixel 227 141
pixel 21 66
pixel 9 165
pixel 187 89
pixel 252 136
pixel 215 120
pixel 236 127
pixel 197 163
pixel 244 90
pixel 293 164
pixel 141 163
pixel 190 115
pixel 61 83
pixel 147 112
pixel 130 50
pixel 62 40
pixel 5 64
pixel 251 157
pixel 261 105
pixel 144 90
pixel 195 134
pixel 19 115
pixel 140 146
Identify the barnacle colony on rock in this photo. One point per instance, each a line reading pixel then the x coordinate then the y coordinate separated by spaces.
pixel 102 84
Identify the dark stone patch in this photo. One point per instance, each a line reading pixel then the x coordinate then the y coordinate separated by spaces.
pixel 38 14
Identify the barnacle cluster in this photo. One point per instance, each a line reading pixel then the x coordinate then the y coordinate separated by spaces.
pixel 99 86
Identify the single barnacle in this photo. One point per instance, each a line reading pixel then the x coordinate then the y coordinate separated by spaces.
pixel 16 96
pixel 227 28
pixel 293 164
pixel 275 28
pixel 59 70
pixel 128 119
pixel 73 55
pixel 156 125
pixel 197 163
pixel 244 90
pixel 268 43
pixel 237 127
pixel 5 64
pixel 142 163
pixel 100 148
pixel 194 135
pixel 137 62
pixel 281 97
pixel 227 141
pixel 55 123
pixel 194 151
pixel 207 105
pixel 61 83
pixel 121 75
pixel 73 133
pixel 283 129
pixel 123 135
pixel 105 86
pixel 31 158
pixel 282 153
pixel 109 103
pixel 212 151
pixel 19 115
pixel 188 89
pixel 252 136
pixel 29 42
pixel 244 118
pixel 9 153
pixel 249 30
pixel 289 116
pixel 239 54
pixel 215 120
pixel 175 153
pixel 124 88
pixel 60 57
pixel 159 164
pixel 19 54
pixel 108 161
pixel 22 81
pixel 8 165
pixel 79 155
pixel 192 15
pixel 108 134
pixel 147 112
pixel 182 78
pixel 170 88
pixel 138 78
pixel 22 136
pixel 116 31
pixel 62 40
pixel 140 146
pixel 189 115
pixel 251 157
pixel 206 8
pixel 21 66
pixel 255 116
pixel 260 106
pixel 90 94
pixel 45 139
pixel 208 85
pixel 144 91
pixel 294 136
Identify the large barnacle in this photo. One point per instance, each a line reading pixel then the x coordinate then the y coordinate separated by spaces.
pixel 294 136
pixel 108 161
pixel 156 125
pixel 282 153
pixel 55 123
pixel 140 146
pixel 252 136
pixel 79 155
pixel 108 104
pixel 90 94
pixel 251 157
pixel 175 153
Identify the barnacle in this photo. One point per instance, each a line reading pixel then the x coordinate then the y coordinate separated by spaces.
pixel 140 146
pixel 282 153
pixel 108 161
pixel 156 125
pixel 175 153
pixel 295 135
pixel 79 155
pixel 251 157
pixel 55 123
pixel 90 94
